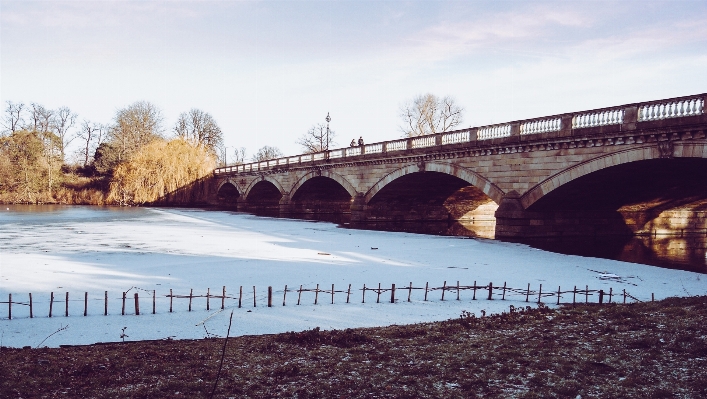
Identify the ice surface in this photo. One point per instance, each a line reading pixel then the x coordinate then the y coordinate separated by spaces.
pixel 95 250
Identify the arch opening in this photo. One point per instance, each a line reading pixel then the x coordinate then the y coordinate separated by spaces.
pixel 228 194
pixel 650 211
pixel 321 198
pixel 432 203
pixel 264 199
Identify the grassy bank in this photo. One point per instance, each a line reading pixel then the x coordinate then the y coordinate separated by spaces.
pixel 647 350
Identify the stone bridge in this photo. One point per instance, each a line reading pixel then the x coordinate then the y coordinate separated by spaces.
pixel 630 169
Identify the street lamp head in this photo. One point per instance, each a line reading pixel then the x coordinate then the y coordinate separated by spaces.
pixel 328 118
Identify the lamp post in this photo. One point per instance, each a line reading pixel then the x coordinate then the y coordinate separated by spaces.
pixel 225 155
pixel 328 119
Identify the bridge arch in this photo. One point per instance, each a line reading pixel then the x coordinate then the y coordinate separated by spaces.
pixel 261 179
pixel 661 150
pixel 473 178
pixel 324 173
pixel 231 182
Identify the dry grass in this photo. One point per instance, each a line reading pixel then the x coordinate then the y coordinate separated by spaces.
pixel 651 350
pixel 157 169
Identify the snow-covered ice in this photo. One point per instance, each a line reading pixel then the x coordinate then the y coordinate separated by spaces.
pixel 89 249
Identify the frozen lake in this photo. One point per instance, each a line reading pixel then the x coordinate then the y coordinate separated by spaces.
pixel 59 249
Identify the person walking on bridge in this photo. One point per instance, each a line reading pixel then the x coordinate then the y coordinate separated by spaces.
pixel 360 141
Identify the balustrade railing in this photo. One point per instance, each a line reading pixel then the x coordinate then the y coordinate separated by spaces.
pixel 494 132
pixel 645 112
pixel 396 145
pixel 600 118
pixel 671 109
pixel 353 151
pixel 541 126
pixel 456 137
pixel 374 148
pixel 423 141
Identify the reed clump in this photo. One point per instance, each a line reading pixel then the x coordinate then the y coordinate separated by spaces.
pixel 157 169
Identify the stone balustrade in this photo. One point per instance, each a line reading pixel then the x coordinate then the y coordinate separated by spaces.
pixel 566 124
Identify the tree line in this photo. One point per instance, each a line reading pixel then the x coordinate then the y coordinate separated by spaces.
pixel 131 160
pixel 134 160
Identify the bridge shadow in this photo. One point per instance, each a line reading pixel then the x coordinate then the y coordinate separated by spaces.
pixel 652 212
pixel 431 203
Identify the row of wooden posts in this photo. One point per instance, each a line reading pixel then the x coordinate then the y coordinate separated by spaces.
pixel 380 290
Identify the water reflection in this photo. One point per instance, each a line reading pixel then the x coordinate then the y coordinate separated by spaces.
pixel 481 228
pixel 669 251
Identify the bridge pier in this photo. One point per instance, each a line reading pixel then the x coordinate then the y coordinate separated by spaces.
pixel 285 206
pixel 359 209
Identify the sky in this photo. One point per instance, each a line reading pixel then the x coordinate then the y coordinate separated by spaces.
pixel 267 71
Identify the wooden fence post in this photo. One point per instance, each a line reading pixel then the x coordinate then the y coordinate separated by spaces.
pixel 574 295
pixel 66 311
pixel 332 294
pixel 284 296
pixel 299 296
pixel 154 299
pixel 527 293
pixel 444 288
pixel 31 314
pixel 348 294
pixel 9 307
pixel 171 300
pixel 85 304
pixel 611 293
pixel 240 296
pixel 208 295
pixel 51 303
pixel 652 297
pixel 254 305
pixel 270 296
pixel 540 293
pixel 122 312
pixel 624 295
pixel 558 294
pixel 427 285
pixel 223 297
pixel 601 296
pixel 191 296
pixel 490 291
pixel 137 305
pixel 409 291
pixel 474 298
pixel 105 304
pixel 586 294
pixel 316 295
pixel 503 297
pixel 378 299
pixel 457 290
pixel 392 293
pixel 364 294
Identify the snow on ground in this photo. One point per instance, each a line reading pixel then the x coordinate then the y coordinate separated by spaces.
pixel 90 249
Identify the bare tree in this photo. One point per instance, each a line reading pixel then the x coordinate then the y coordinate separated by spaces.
pixel 317 139
pixel 40 118
pixel 199 128
pixel 238 156
pixel 91 135
pixel 134 127
pixel 62 121
pixel 13 118
pixel 429 114
pixel 267 152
